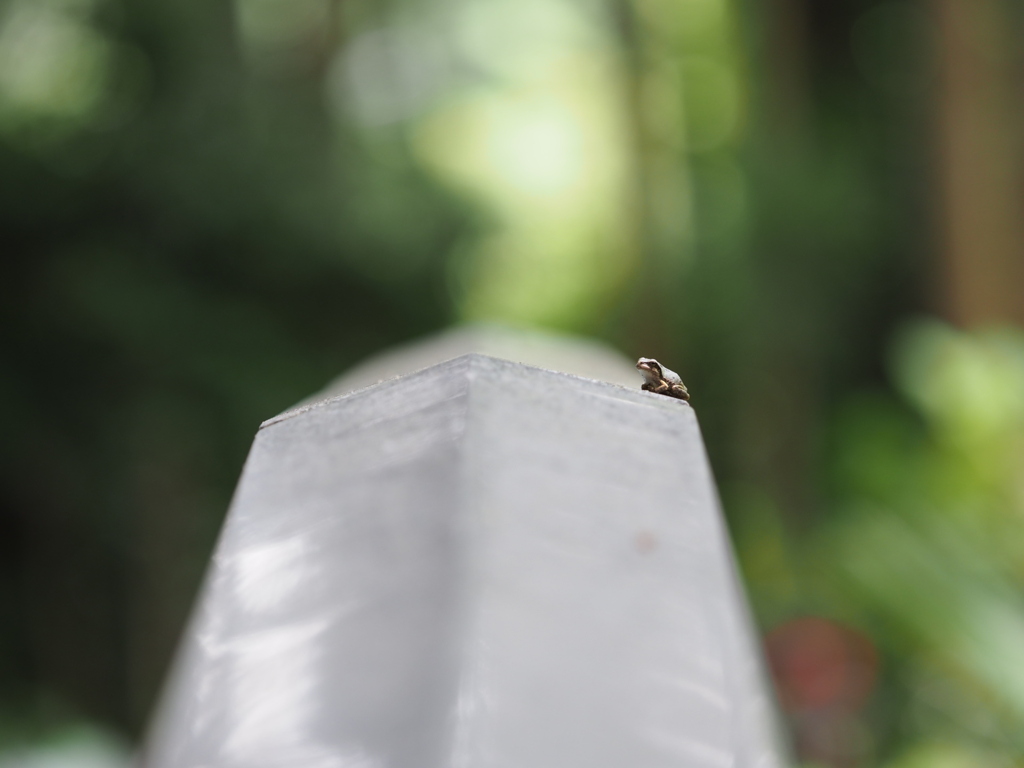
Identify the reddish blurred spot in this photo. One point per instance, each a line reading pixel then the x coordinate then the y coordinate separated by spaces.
pixel 819 664
pixel 646 542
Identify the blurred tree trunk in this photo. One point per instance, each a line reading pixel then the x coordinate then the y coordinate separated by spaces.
pixel 778 407
pixel 646 316
pixel 788 79
pixel 981 178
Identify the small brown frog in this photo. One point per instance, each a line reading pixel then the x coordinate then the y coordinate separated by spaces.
pixel 660 380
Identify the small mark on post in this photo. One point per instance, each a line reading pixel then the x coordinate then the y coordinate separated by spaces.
pixel 645 542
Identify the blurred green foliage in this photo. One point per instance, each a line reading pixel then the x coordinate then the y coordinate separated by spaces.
pixel 210 208
pixel 921 549
pixel 189 247
pixel 928 533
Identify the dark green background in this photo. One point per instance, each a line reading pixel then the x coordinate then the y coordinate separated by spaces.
pixel 212 244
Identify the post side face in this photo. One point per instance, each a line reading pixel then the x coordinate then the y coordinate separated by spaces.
pixel 607 626
pixel 324 636
pixel 479 566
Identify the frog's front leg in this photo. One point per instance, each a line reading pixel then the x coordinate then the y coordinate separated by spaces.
pixel 659 388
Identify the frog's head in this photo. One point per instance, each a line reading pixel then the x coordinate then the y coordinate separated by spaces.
pixel 650 369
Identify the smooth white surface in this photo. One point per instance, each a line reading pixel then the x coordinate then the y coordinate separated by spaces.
pixel 481 565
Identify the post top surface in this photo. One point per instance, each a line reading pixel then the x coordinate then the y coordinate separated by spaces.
pixel 501 367
pixel 577 355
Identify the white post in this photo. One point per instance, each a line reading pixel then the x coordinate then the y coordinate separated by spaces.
pixel 479 565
